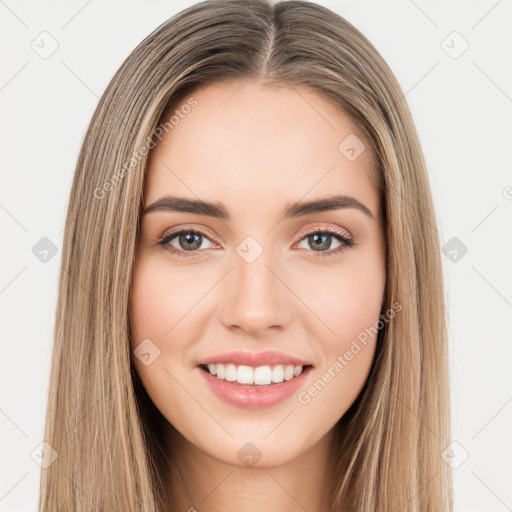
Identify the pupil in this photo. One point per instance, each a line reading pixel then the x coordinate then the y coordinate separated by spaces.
pixel 320 240
pixel 189 238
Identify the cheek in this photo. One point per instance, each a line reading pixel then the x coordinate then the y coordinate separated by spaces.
pixel 349 303
pixel 160 300
pixel 164 305
pixel 155 308
pixel 152 314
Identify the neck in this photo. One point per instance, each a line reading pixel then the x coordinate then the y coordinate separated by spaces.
pixel 201 482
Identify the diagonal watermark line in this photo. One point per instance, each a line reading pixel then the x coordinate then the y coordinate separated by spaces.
pixel 199 403
pixel 83 417
pixel 393 189
pixel 12 280
pixel 14 424
pixel 98 400
pixel 286 491
pixel 80 79
pixel 492 211
pixel 14 218
pixel 13 13
pixel 492 419
pixel 491 285
pixel 217 486
pixel 413 413
pixel 293 87
pixel 76 14
pixel 14 486
pixel 485 14
pixel 420 491
pixel 73 480
pixel 301 301
pixel 178 474
pixel 280 423
pixel 492 81
pixel 508 508
pixel 421 79
pixel 14 76
pixel 198 301
pixel 418 282
pixel 424 14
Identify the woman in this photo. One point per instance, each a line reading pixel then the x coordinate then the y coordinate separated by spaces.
pixel 251 309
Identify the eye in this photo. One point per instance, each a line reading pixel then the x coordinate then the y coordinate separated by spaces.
pixel 188 240
pixel 320 239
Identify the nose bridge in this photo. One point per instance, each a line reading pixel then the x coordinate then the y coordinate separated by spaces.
pixel 255 298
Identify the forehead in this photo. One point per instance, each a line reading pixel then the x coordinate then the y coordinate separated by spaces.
pixel 244 142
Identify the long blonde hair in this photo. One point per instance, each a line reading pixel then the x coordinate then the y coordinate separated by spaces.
pixel 103 427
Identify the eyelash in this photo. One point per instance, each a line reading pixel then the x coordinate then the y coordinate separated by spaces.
pixel 346 243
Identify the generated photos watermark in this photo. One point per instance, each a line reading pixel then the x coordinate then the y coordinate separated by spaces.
pixel 174 120
pixel 305 397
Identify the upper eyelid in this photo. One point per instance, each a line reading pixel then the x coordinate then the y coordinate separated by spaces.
pixel 330 229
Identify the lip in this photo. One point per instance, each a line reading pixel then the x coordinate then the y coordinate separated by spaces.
pixel 245 357
pixel 253 396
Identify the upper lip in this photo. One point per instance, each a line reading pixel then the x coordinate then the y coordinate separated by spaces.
pixel 241 357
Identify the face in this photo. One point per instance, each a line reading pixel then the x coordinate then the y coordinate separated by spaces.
pixel 257 282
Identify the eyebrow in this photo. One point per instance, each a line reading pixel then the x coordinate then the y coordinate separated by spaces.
pixel 219 211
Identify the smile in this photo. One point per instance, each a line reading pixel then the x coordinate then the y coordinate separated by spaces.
pixel 249 375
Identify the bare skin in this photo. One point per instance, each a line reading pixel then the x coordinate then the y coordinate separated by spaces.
pixel 256 150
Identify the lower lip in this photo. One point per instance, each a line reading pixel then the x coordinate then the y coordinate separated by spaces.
pixel 254 397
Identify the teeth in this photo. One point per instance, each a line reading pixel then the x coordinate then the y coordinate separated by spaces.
pixel 260 376
pixel 278 373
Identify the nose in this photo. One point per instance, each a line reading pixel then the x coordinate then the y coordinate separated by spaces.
pixel 257 299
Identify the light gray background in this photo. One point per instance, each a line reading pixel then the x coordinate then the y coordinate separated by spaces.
pixel 462 107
